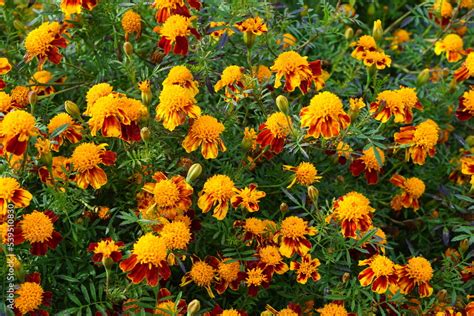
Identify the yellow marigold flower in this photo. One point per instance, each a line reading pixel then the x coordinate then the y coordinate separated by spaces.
pixel 107 116
pixel 5 102
pixel 396 103
pixel 270 258
pixel 30 296
pixel 75 6
pixel 333 309
pixel 86 159
pixel 205 132
pixel 37 228
pixel 202 274
pixel 166 8
pixel 250 139
pixel 72 132
pixel 133 111
pixel 174 33
pixel 344 151
pixel 377 58
pixel 176 235
pixel 356 104
pixel 324 116
pixel 229 274
pixel 15 131
pixel 421 139
pixel 11 192
pixel 247 198
pixel 216 193
pixel 256 276
pixel 254 228
pixel 232 79
pixel 287 41
pixel 96 92
pixel 132 23
pixel 219 28
pixel 413 189
pixel 42 77
pixel 465 110
pixel 306 268
pixel 176 103
pixel 44 42
pixel 106 249
pixel 467 68
pixel 400 36
pixel 365 44
pixel 19 96
pixel 452 45
pixel 262 73
pixel 353 212
pixel 467 165
pixel 274 132
pixel 381 273
pixel 443 8
pixel 181 76
pixel 305 174
pixel 292 236
pixel 417 272
pixel 5 66
pixel 254 25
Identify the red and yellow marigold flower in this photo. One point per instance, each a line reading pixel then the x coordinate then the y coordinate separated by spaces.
pixel 262 73
pixel 30 297
pixel 181 76
pixel 292 236
pixel 11 192
pixel 421 139
pixel 232 79
pixel 333 309
pixel 305 174
pixel 298 72
pixel 60 166
pixel 380 273
pixel 354 213
pixel 396 103
pixel 5 68
pixel 205 131
pixel 254 25
pixel 166 8
pixel 219 28
pixel 132 23
pixel 5 102
pixel 378 59
pixel 413 188
pixel 72 131
pixel 306 268
pixel 256 229
pixel 108 116
pixel 176 235
pixel 216 195
pixel 218 311
pixel 466 70
pixel 174 34
pixel 369 164
pixel 465 109
pixel 228 272
pixel 134 111
pixel 467 167
pixel 417 272
pixel 44 43
pixel 324 116
pixel 40 81
pixel 96 92
pixel 147 261
pixel 106 249
pixel 166 306
pixel 37 228
pixel 75 6
pixel 256 277
pixel 270 260
pixel 176 103
pixel 19 96
pixel 247 198
pixel 290 310
pixel 364 45
pixel 452 45
pixel 400 36
pixel 86 159
pixel 249 141
pixel 274 131
pixel 16 128
pixel 202 273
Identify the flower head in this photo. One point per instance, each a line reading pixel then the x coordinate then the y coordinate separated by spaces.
pixel 44 43
pixel 75 6
pixel 371 162
pixel 256 277
pixel 452 45
pixel 229 274
pixel 30 296
pixel 306 268
pixel 166 8
pixel 465 110
pixel 205 132
pixel 353 212
pixel 252 25
pixel 39 80
pixel 181 76
pixel 202 273
pixel 333 309
pixel 274 132
pixel 397 103
pixel 232 79
pixel 132 23
pixel 247 198
pixel 271 260
pixel 70 130
pixel 96 92
pixel 19 96
pixel 292 235
pixel 11 192
pixel 176 235
pixel 413 188
pixel 305 174
pixel 417 272
pixel 37 228
pixel 174 33
pixel 466 70
pixel 364 44
pixel 5 102
pixel 5 66
pixel 16 128
pixel 108 115
pixel 105 249
pixel 381 273
pixel 219 28
pixel 216 194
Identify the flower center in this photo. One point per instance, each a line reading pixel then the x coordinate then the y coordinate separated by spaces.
pixel 38 41
pixel 255 277
pixel 287 312
pixel 229 270
pixel 469 100
pixel 353 205
pixel 290 62
pixel 8 187
pixel 230 312
pixel 18 122
pixel 279 124
pixel 415 187
pixel 165 308
pixel 419 269
pixel 426 134
pixel 293 227
pixel 86 156
pixel 382 266
pixel 207 128
pixel 30 297
pixel 176 98
pixel 202 273
pixel 371 161
pixel 408 97
pixel 37 227
pixel 150 249
pixel 270 255
pixel 333 309
pixel 220 187
pixel 453 42
pixel 470 63
pixel 306 173
pixel 231 75
pixel 176 235
pixel 176 25
pixel 255 226
pixel 166 193
pixel 59 120
pixel 106 247
pixel 326 104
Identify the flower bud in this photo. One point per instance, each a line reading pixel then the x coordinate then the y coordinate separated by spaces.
pixel 464 245
pixel 304 11
pixel 107 262
pixel 423 77
pixel 345 277
pixel 193 307
pixel 442 295
pixel 249 39
pixel 470 140
pixel 313 193
pixel 452 86
pixel 128 49
pixel 349 33
pixel 156 57
pixel 194 172
pixel 371 9
pixel 283 207
pixel 72 109
pixel 282 104
pixel 377 30
pixel 32 98
pixel 145 133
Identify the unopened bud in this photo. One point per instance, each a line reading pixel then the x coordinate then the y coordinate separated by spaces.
pixel 349 33
pixel 371 9
pixel 452 86
pixel 128 49
pixel 72 109
pixel 107 262
pixel 377 30
pixel 156 57
pixel 442 295
pixel 282 104
pixel 32 98
pixel 464 245
pixel 304 11
pixel 345 277
pixel 283 207
pixel 423 77
pixel 193 307
pixel 194 172
pixel 249 39
pixel 470 140
pixel 313 193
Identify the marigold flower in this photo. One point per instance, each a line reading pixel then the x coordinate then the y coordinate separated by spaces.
pixel 44 43
pixel 400 36
pixel 42 77
pixel 147 261
pixel 96 92
pixel 381 273
pixel 15 131
pixel 11 192
pixel 324 116
pixel 166 306
pixel 290 310
pixel 256 229
pixel 306 268
pixel 205 132
pixel 305 174
pixel 364 44
pixel 292 236
pixel 369 164
pixel 417 272
pixel 132 23
pixel 271 260
pixel 5 102
pixel 75 6
pixel 399 103
pixel 176 235
pixel 232 79
pixel 247 198
pixel 176 103
pixel 107 116
pixel 86 159
pixel 60 166
pixel 31 296
pixel 298 72
pixel 466 106
pixel 254 25
pixel 249 140
pixel 5 66
pixel 444 8
pixel 274 132
pixel 467 165
pixel 37 228
pixel 466 70
pixel 216 193
pixel 134 111
pixel 262 73
pixel 452 45
pixel 70 130
pixel 413 189
pixel 228 272
pixel 256 277
pixel 377 58
pixel 105 249
pixel 288 40
pixel 166 8
pixel 353 212
pixel 181 76
pixel 218 311
pixel 19 96
pixel 421 139
pixel 174 33
pixel 202 273
pixel 333 309
pixel 219 28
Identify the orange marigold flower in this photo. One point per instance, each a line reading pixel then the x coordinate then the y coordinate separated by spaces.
pixel 132 23
pixel 466 105
pixel 444 8
pixel 216 193
pixel 262 73
pixel 176 235
pixel 452 45
pixel 205 132
pixel 467 165
pixel 176 103
pixel 292 236
pixel 107 116
pixel 202 273
pixel 75 6
pixel 417 272
pixel 106 249
pixel 380 273
pixel 324 116
pixel 256 229
pixel 5 102
pixel 421 139
pixel 44 43
pixel 217 29
pixel 306 268
pixel 371 162
pixel 254 25
pixel 59 167
pixel 274 132
pixel 30 297
pixel 166 306
pixel 466 70
pixel 397 103
pixel 181 76
pixel 247 198
pixel 11 192
pixel 271 260
pixel 256 277
pixel 86 159
pixel 37 228
pixel 96 92
pixel 166 8
pixel 16 128
pixel 400 36
pixel 174 33
pixel 377 58
pixel 298 72
pixel 305 174
pixel 69 130
pixel 228 272
pixel 413 189
pixel 364 44
pixel 5 66
pixel 134 111
pixel 19 96
pixel 333 309
pixel 147 261
pixel 353 212
pixel 232 79
pixel 42 77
